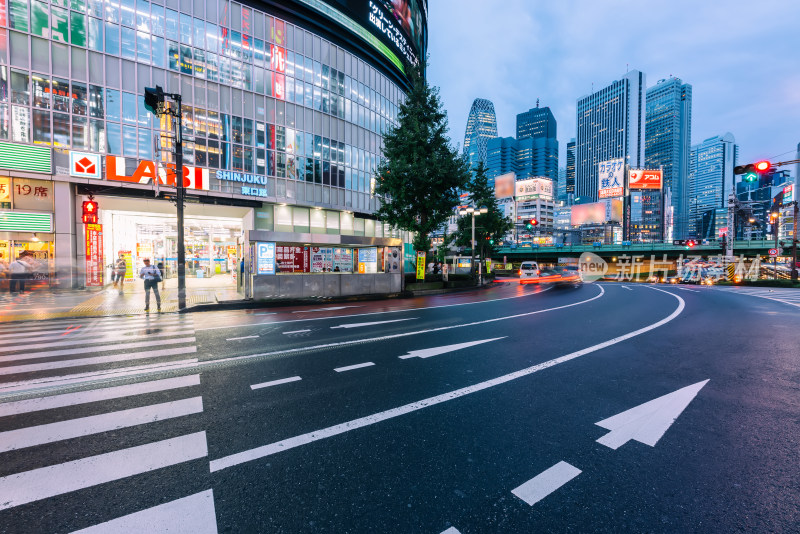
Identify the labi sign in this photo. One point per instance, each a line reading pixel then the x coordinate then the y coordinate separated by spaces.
pixel 147 172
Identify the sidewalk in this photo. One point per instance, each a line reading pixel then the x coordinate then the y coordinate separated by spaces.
pixel 40 303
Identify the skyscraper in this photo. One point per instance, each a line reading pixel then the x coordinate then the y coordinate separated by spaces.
pixel 569 185
pixel 668 134
pixel 535 123
pixel 528 157
pixel 710 182
pixel 610 124
pixel 481 126
pixel 501 157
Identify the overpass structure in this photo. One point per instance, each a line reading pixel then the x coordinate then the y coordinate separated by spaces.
pixel 553 252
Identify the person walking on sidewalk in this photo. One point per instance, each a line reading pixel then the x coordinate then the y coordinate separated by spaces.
pixel 18 270
pixel 151 276
pixel 118 274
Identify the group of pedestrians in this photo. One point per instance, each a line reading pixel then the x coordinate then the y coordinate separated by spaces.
pixel 151 275
pixel 18 271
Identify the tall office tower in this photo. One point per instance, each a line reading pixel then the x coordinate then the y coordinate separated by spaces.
pixel 569 186
pixel 535 123
pixel 501 157
pixel 710 183
pixel 481 126
pixel 610 125
pixel 561 185
pixel 668 133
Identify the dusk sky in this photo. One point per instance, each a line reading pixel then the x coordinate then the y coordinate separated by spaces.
pixel 741 58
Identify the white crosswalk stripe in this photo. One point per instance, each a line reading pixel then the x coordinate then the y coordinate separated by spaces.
pixel 40 481
pixel 37 349
pixel 784 295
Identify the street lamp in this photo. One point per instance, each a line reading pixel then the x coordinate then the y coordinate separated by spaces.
pixel 474 212
pixel 773 221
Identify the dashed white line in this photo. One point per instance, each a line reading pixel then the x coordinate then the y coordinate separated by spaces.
pixel 626 287
pixel 298 331
pixel 275 382
pixel 689 290
pixel 332 308
pixel 243 337
pixel 546 483
pixel 351 367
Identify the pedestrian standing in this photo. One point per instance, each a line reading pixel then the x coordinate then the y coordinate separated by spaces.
pixel 118 275
pixel 151 276
pixel 19 272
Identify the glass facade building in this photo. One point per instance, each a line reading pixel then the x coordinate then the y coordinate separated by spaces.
pixel 481 126
pixel 528 157
pixel 610 124
pixel 537 122
pixel 284 105
pixel 668 134
pixel 711 177
pixel 569 186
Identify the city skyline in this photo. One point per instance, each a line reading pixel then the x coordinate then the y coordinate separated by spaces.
pixel 543 55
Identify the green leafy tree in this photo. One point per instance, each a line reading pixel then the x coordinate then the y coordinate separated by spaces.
pixel 421 174
pixel 490 227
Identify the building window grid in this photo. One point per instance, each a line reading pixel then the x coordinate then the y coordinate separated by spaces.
pixel 376 112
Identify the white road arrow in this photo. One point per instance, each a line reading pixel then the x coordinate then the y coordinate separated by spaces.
pixel 435 351
pixel 647 422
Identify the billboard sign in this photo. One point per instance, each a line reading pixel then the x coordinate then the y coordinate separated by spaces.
pixel 265 258
pixel 147 172
pixel 611 178
pixel 596 212
pixel 94 255
pixel 645 179
pixel 534 188
pixel 504 185
pixel 788 194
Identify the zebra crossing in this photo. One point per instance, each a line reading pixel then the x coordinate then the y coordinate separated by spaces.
pixel 779 294
pixel 84 430
pixel 37 353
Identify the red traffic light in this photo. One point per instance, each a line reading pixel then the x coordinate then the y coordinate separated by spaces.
pixel 89 212
pixel 534 222
pixel 763 166
pixel 691 243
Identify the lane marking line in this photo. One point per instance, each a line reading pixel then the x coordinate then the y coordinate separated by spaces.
pixel 435 351
pixel 626 287
pixel 38 484
pixel 351 367
pixel 375 313
pixel 243 337
pixel 195 514
pixel 297 331
pixel 95 424
pixel 310 437
pixel 687 289
pixel 275 382
pixel 117 336
pixel 85 397
pixel 451 530
pixel 332 308
pixel 118 321
pixel 546 482
pixel 762 296
pixel 359 325
pixel 81 362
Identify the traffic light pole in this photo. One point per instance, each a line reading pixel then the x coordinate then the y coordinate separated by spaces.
pixel 794 243
pixel 181 193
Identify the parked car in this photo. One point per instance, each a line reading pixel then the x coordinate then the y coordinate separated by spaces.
pixel 529 272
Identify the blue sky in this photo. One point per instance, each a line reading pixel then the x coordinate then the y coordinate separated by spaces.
pixel 742 59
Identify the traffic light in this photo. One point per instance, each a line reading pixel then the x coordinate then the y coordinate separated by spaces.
pixel 691 243
pixel 154 99
pixel 89 212
pixel 752 171
pixel 531 223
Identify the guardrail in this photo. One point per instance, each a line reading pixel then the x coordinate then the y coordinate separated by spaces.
pixel 715 247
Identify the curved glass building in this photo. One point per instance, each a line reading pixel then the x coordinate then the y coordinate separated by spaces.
pixel 284 107
pixel 481 126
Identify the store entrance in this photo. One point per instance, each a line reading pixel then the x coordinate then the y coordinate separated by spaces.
pixel 212 236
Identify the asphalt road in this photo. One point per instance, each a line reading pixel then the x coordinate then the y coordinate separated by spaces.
pixel 474 412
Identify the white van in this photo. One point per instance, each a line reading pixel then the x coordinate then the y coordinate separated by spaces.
pixel 528 272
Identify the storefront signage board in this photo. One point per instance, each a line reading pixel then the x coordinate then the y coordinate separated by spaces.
pixel 94 255
pixel 147 172
pixel 26 158
pixel 420 266
pixel 19 221
pixel 265 258
pixel 85 165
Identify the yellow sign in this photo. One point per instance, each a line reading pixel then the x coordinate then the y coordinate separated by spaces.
pixel 5 191
pixel 420 266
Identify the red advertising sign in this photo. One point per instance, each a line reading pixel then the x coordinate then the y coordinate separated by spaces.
pixel 148 171
pixel 94 254
pixel 292 259
pixel 641 179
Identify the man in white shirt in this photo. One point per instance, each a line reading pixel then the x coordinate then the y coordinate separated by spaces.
pixel 151 276
pixel 19 272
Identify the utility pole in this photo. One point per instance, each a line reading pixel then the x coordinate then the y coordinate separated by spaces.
pixel 154 103
pixel 794 243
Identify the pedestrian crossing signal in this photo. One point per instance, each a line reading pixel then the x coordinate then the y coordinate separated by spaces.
pixel 89 212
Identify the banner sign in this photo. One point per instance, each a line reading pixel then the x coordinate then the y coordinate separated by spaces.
pixel 644 179
pixel 504 185
pixel 611 178
pixel 265 258
pixel 292 259
pixel 94 255
pixel 420 266
pixel 368 260
pixel 84 165
pixel 148 172
pixel 534 188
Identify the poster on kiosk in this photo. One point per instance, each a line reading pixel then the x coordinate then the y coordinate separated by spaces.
pixel 265 258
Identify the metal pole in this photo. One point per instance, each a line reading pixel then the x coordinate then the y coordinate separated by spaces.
pixel 775 227
pixel 180 200
pixel 472 262
pixel 794 244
